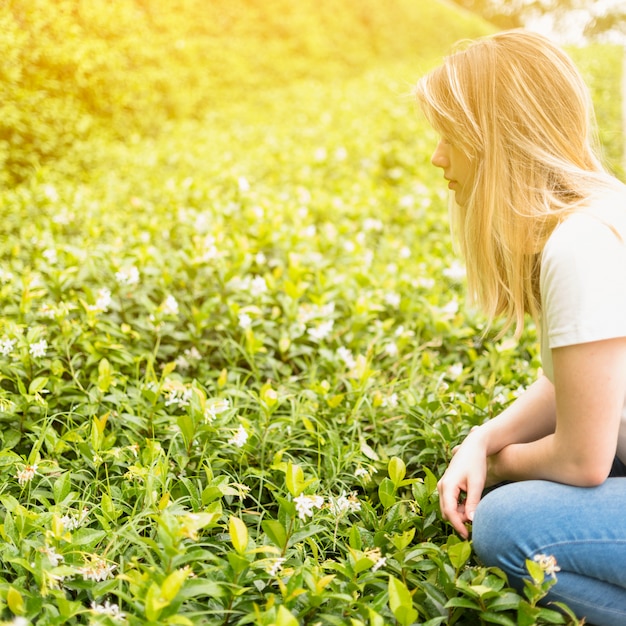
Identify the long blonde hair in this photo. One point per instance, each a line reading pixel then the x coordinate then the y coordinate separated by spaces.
pixel 518 107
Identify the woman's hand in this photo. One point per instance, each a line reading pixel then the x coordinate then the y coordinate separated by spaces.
pixel 462 484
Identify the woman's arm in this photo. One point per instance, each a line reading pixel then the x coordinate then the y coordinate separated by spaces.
pixel 532 416
pixel 590 384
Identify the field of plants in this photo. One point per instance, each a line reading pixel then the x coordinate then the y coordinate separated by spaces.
pixel 235 356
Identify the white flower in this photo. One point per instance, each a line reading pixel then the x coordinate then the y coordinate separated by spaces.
pixel 25 475
pixel 306 504
pixel 346 356
pixel 53 556
pixel 454 371
pixel 103 301
pixel 391 401
pixel 47 311
pixel 128 276
pixel 405 252
pixel 391 349
pixel 345 504
pixel 322 330
pixel 170 306
pixel 97 569
pixel 381 562
pixel 455 272
pixel 361 472
pixel 275 566
pixel 109 609
pixel 258 286
pixel 38 349
pixel 240 437
pixel 451 308
pixel 6 346
pixel 75 520
pixel 547 563
pixel 243 184
pixel 245 321
pixel 215 408
pixel 372 224
pixel 392 299
pixel 426 283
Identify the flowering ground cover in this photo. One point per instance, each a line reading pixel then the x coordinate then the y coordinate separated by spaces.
pixel 234 359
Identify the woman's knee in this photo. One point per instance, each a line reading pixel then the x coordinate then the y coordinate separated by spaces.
pixel 500 535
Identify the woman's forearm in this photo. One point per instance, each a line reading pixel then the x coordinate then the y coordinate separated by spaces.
pixel 531 417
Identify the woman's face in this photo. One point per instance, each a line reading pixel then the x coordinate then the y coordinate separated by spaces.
pixel 457 169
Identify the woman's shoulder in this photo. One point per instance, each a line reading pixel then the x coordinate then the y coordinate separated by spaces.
pixel 601 221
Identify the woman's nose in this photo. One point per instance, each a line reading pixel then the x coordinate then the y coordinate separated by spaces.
pixel 440 157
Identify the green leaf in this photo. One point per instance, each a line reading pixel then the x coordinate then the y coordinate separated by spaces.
pixel 387 492
pixel 459 553
pixel 276 532
pixel 401 602
pixel 37 384
pixel 396 470
pixel 294 478
pixel 238 534
pixel 285 617
pixel 15 601
pixel 105 376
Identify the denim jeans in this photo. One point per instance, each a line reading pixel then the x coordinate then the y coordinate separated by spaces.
pixel 583 528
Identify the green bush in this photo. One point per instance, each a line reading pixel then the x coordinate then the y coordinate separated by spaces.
pixel 74 70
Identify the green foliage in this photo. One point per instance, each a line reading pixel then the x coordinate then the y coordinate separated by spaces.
pixel 77 69
pixel 234 359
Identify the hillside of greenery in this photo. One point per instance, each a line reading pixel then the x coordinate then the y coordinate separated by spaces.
pixel 77 69
pixel 235 353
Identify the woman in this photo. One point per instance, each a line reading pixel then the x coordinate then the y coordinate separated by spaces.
pixel 542 228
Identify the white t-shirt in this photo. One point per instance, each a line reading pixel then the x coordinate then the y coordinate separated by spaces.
pixel 583 282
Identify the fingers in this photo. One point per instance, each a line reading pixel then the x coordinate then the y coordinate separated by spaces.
pixel 453 509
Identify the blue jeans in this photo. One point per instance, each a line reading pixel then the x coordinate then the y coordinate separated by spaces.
pixel 583 528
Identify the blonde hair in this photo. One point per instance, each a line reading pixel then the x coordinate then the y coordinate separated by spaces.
pixel 517 106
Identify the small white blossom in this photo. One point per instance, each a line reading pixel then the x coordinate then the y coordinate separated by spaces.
pixel 110 610
pixel 451 308
pixel 361 472
pixel 240 437
pixel 170 306
pixel 25 475
pixel 392 299
pixel 215 408
pixel 306 504
pixel 391 349
pixel 53 556
pixel 258 286
pixel 275 566
pixel 245 321
pixel 346 356
pixel 371 224
pixel 47 311
pixel 454 371
pixel 345 504
pixel 405 252
pixel 97 569
pixel 381 562
pixel 38 349
pixel 391 401
pixel 455 272
pixel 75 520
pixel 103 300
pixel 6 346
pixel 128 276
pixel 547 563
pixel 322 330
